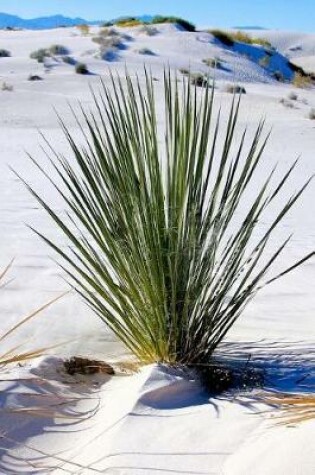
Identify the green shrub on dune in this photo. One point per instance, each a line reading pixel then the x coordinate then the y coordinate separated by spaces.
pixel 163 242
pixel 186 25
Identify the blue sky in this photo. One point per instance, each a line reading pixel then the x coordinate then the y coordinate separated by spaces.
pixel 280 14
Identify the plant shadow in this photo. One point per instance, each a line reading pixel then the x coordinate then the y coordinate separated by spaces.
pixel 46 400
pixel 286 366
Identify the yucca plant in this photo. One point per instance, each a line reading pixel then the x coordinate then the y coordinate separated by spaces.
pixel 153 248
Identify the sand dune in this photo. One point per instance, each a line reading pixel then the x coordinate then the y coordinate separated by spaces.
pixel 156 421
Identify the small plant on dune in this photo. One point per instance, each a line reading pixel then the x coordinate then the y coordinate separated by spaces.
pixel 128 22
pixel 243 37
pixel 6 87
pixel 278 76
pixel 146 51
pixel 186 25
pixel 4 53
pixel 293 96
pixel 40 55
pixel 162 247
pixel 34 77
pixel 311 114
pixel 223 37
pixel 149 30
pixel 58 50
pixel 69 60
pixel 264 61
pixel 81 68
pixel 109 41
pixel 229 38
pixel 212 62
pixel 301 81
pixel 84 29
pixel 198 79
pixel 234 89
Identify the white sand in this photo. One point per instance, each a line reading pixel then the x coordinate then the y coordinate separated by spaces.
pixel 155 421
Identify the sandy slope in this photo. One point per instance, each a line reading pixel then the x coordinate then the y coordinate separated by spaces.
pixel 154 421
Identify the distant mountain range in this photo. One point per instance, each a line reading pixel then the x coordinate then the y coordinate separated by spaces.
pixel 55 21
pixel 41 23
pixel 249 28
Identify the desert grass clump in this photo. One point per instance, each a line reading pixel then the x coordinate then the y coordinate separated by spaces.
pixel 264 61
pixel 234 89
pixel 58 50
pixel 163 237
pixel 223 37
pixel 293 96
pixel 4 53
pixel 301 81
pixel 128 22
pixel 84 29
pixel 109 41
pixel 311 114
pixel 146 51
pixel 243 37
pixel 149 30
pixel 293 408
pixel 69 60
pixel 287 103
pixel 186 25
pixel 81 68
pixel 6 87
pixel 278 76
pixel 40 55
pixel 212 62
pixel 198 79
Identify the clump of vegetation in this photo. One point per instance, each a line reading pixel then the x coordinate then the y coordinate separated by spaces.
pixel 286 103
pixel 278 76
pixel 81 68
pixel 186 25
pixel 264 62
pixel 184 71
pixel 149 30
pixel 160 248
pixel 69 60
pixel 311 114
pixel 229 38
pixel 212 62
pixel 128 22
pixel 4 53
pixel 34 77
pixel 58 50
pixel 54 50
pixel 198 79
pixel 6 87
pixel 146 51
pixel 243 37
pixel 301 80
pixel 235 89
pixel 107 24
pixel 293 96
pixel 40 55
pixel 223 37
pixel 84 29
pixel 109 41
